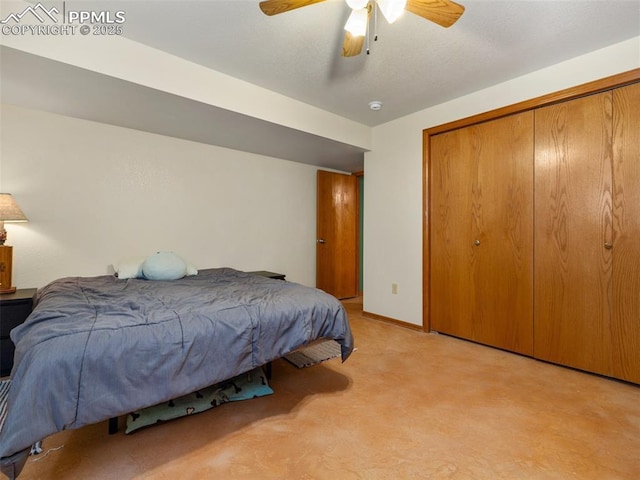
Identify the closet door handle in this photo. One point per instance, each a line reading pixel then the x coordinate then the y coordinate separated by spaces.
pixel 608 246
pixel 476 243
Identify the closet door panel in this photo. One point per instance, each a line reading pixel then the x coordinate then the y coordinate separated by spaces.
pixel 573 225
pixel 503 227
pixel 450 273
pixel 626 243
pixel 481 224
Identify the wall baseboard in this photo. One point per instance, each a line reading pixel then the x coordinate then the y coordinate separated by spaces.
pixel 411 326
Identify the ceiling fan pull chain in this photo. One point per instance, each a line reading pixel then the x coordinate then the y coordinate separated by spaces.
pixel 374 6
pixel 368 31
pixel 375 22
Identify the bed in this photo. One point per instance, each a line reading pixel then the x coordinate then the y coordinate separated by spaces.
pixel 95 348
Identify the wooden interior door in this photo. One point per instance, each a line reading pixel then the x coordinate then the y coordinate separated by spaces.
pixel 451 243
pixel 502 217
pixel 337 234
pixel 626 242
pixel 573 232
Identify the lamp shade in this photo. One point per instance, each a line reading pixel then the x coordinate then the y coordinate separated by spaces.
pixel 357 4
pixel 392 9
pixel 357 23
pixel 9 209
pixel 9 212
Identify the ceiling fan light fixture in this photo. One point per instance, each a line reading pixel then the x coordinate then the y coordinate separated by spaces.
pixel 357 4
pixel 392 9
pixel 357 23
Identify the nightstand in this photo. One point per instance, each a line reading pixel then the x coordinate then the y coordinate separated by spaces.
pixel 14 309
pixel 263 273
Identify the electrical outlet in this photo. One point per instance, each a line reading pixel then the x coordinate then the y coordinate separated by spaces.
pixel 394 288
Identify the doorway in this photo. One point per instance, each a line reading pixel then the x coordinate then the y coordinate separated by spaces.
pixel 339 233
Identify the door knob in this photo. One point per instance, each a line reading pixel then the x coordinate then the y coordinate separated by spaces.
pixel 608 246
pixel 320 240
pixel 476 243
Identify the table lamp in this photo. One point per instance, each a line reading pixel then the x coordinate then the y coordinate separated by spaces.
pixel 9 212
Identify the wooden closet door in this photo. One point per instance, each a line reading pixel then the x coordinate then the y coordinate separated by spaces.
pixel 451 247
pixel 573 226
pixel 481 237
pixel 502 216
pixel 626 241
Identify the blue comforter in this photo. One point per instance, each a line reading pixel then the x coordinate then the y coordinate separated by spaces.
pixel 99 347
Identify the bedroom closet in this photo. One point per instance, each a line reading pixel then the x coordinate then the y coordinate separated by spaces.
pixel 533 231
pixel 482 217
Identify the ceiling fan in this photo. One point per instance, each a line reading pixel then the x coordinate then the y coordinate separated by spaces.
pixel 443 12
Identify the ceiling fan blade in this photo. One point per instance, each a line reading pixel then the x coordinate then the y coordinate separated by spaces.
pixel 443 12
pixel 274 7
pixel 352 45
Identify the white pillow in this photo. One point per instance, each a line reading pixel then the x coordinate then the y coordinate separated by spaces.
pixel 129 267
pixel 164 266
pixel 191 270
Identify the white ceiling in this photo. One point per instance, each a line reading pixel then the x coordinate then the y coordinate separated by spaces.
pixel 414 64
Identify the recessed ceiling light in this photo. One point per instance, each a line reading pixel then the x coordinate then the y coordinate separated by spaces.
pixel 375 105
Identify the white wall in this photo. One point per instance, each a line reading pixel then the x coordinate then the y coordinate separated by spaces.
pixel 393 175
pixel 95 193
